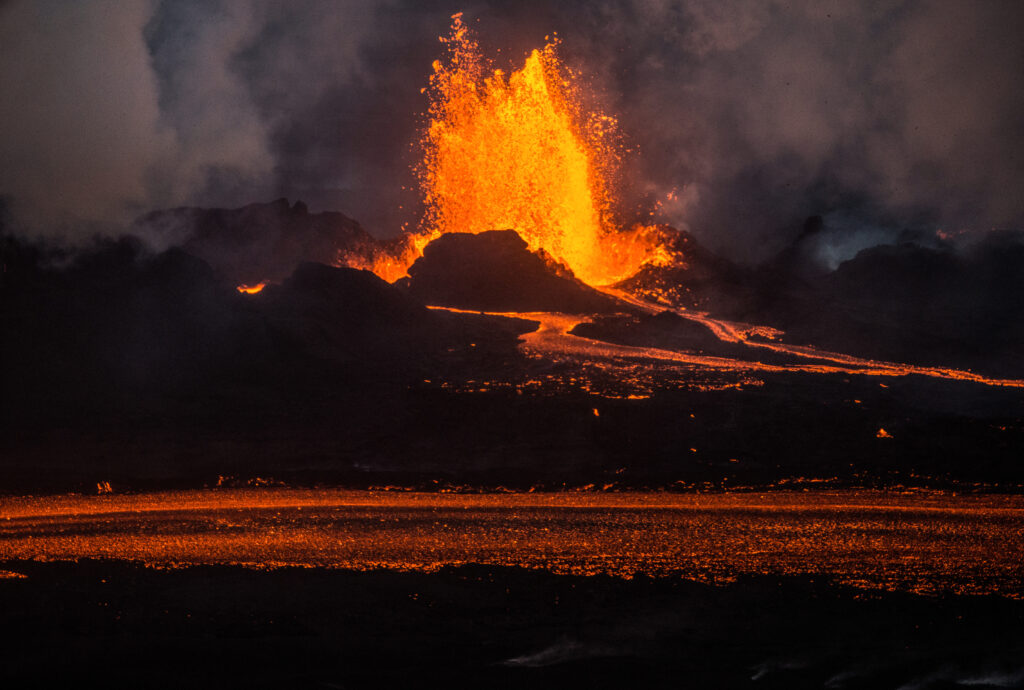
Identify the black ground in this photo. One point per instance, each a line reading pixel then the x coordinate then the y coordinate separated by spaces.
pixel 122 625
pixel 942 435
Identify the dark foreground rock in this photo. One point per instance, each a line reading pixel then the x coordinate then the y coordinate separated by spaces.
pixel 122 625
pixel 792 430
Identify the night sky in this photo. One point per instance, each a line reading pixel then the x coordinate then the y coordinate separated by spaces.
pixel 880 116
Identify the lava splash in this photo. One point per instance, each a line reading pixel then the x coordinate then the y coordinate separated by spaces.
pixel 517 151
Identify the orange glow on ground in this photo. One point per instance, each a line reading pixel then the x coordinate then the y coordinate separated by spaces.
pixel 251 289
pixel 927 543
pixel 515 151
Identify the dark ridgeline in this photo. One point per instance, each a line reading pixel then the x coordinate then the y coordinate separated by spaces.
pixel 258 242
pixel 115 317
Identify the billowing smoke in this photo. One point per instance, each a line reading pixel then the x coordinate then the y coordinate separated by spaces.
pixel 902 114
pixel 79 112
pixel 878 116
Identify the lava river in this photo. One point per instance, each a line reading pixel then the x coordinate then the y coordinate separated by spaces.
pixel 554 341
pixel 917 542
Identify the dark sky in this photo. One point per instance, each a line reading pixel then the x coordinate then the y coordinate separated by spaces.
pixel 878 115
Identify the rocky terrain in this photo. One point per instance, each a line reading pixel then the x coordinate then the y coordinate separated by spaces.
pixel 148 368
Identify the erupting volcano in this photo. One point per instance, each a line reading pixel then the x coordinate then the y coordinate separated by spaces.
pixel 518 151
pixel 541 438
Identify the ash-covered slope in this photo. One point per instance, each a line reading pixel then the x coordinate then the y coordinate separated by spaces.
pixel 258 242
pixel 495 271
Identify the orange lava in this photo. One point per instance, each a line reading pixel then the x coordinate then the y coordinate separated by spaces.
pixel 926 543
pixel 517 151
pixel 631 364
pixel 731 332
pixel 251 289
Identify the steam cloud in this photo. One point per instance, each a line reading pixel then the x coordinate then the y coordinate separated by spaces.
pixel 888 114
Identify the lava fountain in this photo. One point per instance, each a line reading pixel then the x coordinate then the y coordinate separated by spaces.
pixel 518 151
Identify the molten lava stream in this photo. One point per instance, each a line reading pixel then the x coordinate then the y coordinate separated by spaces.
pixel 735 333
pixel 553 339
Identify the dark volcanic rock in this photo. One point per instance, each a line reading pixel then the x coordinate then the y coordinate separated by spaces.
pixel 118 624
pixel 345 313
pixel 494 271
pixel 665 330
pixel 351 316
pixel 258 242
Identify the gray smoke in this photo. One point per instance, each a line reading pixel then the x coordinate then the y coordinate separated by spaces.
pixel 884 115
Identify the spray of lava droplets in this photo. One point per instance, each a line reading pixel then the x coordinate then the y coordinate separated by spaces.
pixel 516 151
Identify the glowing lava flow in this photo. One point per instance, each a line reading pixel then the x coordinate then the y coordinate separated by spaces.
pixel 516 151
pixel 956 543
pixel 251 289
pixel 730 332
pixel 553 340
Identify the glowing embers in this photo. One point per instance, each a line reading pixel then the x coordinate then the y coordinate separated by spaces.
pixel 251 289
pixel 927 543
pixel 517 151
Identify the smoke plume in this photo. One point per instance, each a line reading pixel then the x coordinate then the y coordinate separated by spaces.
pixel 884 115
